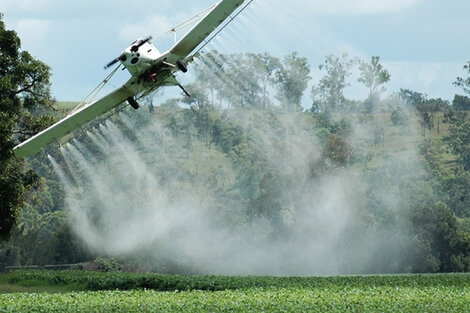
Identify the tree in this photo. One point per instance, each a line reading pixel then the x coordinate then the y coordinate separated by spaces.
pixel 372 76
pixel 24 100
pixel 459 140
pixel 464 83
pixel 435 227
pixel 244 79
pixel 433 151
pixel 198 99
pixel 457 189
pixel 209 70
pixel 268 201
pixel 292 78
pixel 264 67
pixel 427 110
pixel 330 88
pixel 461 103
pixel 411 98
pixel 235 78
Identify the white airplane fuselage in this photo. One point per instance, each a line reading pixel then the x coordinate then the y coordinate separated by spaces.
pixel 138 59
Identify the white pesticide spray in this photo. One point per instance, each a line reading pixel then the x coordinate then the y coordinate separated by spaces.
pixel 145 193
pixel 141 186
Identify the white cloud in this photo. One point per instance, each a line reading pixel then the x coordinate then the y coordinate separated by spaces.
pixel 24 5
pixel 357 7
pixel 152 25
pixel 157 25
pixel 412 72
pixel 434 79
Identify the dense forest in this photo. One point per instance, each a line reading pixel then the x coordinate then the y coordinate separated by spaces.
pixel 241 178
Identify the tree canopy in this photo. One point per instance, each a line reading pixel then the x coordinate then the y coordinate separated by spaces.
pixel 24 101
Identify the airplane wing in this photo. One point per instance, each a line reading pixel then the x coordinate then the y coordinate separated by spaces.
pixel 204 28
pixel 180 51
pixel 71 122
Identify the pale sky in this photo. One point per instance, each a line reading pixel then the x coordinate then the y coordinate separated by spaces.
pixel 423 43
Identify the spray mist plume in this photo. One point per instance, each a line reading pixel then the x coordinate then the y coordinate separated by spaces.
pixel 135 188
pixel 156 187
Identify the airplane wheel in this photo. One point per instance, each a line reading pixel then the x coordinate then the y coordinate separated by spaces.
pixel 182 67
pixel 133 103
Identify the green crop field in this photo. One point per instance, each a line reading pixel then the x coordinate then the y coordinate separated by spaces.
pixel 120 292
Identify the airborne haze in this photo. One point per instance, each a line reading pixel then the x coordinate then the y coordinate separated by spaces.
pixel 180 202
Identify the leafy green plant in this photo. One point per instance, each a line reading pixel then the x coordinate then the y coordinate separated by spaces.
pixel 107 264
pixel 386 293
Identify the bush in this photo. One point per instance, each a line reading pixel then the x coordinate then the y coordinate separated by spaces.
pixel 107 264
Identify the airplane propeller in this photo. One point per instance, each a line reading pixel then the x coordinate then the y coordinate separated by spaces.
pixel 134 48
pixel 122 58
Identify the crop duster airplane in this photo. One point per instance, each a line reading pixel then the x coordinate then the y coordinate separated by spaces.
pixel 150 70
